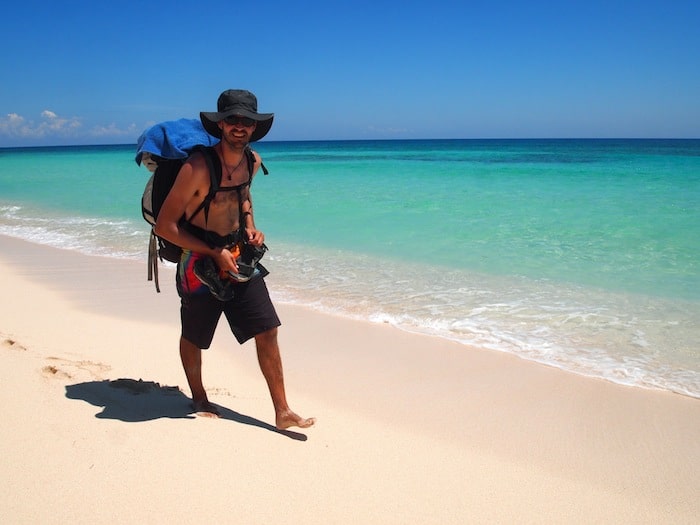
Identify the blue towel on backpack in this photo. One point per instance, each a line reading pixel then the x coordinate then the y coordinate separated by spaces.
pixel 173 139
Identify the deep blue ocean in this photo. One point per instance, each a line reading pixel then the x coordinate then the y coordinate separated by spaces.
pixel 581 254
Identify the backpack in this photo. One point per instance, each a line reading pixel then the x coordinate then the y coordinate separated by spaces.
pixel 156 191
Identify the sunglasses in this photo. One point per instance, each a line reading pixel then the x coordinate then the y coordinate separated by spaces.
pixel 243 121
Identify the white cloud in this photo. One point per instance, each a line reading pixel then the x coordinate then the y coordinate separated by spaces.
pixel 15 125
pixel 51 127
pixel 15 118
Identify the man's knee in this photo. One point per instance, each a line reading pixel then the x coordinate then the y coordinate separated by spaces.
pixel 188 346
pixel 267 337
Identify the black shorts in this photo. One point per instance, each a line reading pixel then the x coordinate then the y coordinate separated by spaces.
pixel 249 313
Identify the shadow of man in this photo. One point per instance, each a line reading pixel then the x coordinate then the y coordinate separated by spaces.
pixel 134 401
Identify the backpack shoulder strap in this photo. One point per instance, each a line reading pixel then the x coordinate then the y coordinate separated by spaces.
pixel 215 174
pixel 251 163
pixel 250 157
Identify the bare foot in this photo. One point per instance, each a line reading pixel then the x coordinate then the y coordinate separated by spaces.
pixel 290 419
pixel 205 409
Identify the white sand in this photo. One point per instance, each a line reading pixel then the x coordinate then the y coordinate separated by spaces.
pixel 411 429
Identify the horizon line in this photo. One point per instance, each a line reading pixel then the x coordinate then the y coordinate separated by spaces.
pixel 380 140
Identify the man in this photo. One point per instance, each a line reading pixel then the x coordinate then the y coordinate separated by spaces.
pixel 213 234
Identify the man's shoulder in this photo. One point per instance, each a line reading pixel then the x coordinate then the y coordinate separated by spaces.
pixel 195 171
pixel 198 162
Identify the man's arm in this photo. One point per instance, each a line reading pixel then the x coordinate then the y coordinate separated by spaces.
pixel 255 236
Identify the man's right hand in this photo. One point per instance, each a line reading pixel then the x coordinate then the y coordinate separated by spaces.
pixel 226 260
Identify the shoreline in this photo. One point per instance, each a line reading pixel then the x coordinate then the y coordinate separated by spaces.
pixel 640 377
pixel 411 428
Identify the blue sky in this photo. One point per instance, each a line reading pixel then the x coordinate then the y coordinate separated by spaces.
pixel 78 72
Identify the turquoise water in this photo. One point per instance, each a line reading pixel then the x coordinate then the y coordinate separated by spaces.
pixel 581 254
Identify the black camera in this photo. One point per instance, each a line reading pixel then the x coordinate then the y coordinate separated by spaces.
pixel 248 260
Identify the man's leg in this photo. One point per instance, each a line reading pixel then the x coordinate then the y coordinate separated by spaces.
pixel 191 357
pixel 271 367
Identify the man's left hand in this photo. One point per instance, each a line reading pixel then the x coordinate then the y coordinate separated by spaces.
pixel 255 237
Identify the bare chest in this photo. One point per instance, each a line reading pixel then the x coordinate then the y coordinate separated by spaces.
pixel 224 210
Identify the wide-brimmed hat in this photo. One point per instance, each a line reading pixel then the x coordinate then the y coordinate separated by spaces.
pixel 241 103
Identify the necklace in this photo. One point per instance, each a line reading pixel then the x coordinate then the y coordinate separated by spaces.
pixel 231 171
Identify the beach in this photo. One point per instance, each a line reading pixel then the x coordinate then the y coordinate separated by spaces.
pixel 98 425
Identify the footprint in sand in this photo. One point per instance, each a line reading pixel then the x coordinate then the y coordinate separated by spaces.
pixel 14 345
pixel 67 369
pixel 61 368
pixel 219 392
pixel 52 371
